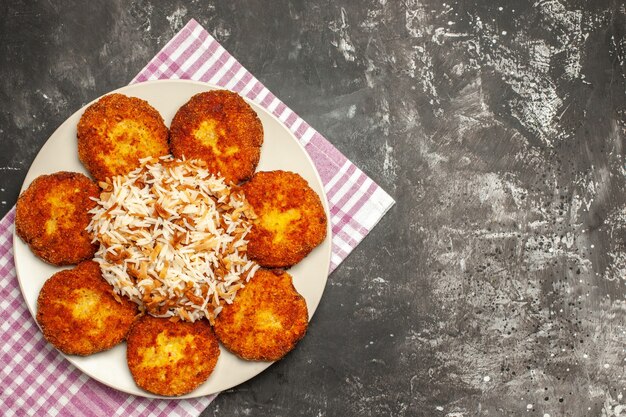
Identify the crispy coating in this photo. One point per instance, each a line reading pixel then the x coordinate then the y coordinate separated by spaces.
pixel 171 358
pixel 220 128
pixel 266 320
pixel 117 131
pixel 290 222
pixel 79 314
pixel 52 214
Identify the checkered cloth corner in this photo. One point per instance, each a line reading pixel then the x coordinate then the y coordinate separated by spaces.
pixel 37 380
pixel 356 202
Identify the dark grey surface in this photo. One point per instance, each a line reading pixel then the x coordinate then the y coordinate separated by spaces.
pixel 495 286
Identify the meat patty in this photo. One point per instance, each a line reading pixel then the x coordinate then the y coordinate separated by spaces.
pixel 290 222
pixel 116 131
pixel 79 314
pixel 220 128
pixel 266 320
pixel 52 214
pixel 171 358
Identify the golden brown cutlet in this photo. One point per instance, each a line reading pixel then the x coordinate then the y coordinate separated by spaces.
pixel 79 314
pixel 220 128
pixel 290 221
pixel 266 320
pixel 116 131
pixel 171 358
pixel 52 214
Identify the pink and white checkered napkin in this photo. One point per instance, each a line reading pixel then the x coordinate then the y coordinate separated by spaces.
pixel 37 380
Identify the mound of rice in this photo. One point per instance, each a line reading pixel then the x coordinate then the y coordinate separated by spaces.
pixel 173 238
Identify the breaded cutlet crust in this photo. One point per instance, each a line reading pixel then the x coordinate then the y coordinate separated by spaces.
pixel 116 131
pixel 52 214
pixel 171 358
pixel 79 314
pixel 290 222
pixel 266 320
pixel 220 128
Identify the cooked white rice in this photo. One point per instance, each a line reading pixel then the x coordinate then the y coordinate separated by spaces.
pixel 173 238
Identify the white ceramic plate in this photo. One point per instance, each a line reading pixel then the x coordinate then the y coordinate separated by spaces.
pixel 280 150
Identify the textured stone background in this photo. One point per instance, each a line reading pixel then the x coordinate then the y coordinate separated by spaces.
pixel 496 285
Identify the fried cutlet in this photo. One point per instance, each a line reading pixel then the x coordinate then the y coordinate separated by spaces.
pixel 171 358
pixel 117 131
pixel 52 214
pixel 266 320
pixel 290 222
pixel 79 314
pixel 220 128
